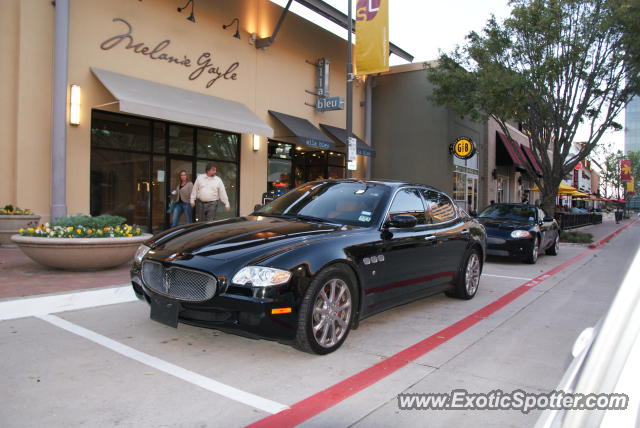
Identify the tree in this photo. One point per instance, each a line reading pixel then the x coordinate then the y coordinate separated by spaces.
pixel 551 67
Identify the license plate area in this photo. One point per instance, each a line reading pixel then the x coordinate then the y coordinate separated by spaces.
pixel 164 311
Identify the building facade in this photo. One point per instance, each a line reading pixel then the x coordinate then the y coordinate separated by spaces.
pixel 632 126
pixel 411 136
pixel 162 90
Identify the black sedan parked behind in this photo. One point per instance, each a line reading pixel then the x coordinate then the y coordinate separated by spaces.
pixel 306 268
pixel 519 230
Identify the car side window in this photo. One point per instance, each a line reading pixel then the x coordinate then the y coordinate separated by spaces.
pixel 439 207
pixel 408 202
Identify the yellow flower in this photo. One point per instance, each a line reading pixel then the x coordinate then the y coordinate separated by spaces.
pixel 21 230
pixel 78 231
pixel 70 228
pixel 31 229
pixel 129 235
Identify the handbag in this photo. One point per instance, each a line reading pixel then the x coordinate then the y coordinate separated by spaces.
pixel 172 205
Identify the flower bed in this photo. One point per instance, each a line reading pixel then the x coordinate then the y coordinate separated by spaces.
pixel 81 242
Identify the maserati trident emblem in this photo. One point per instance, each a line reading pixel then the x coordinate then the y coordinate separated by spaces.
pixel 165 281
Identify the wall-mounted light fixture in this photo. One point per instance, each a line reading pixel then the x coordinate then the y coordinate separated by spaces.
pixel 237 21
pixel 494 174
pixel 74 105
pixel 252 38
pixel 191 16
pixel 256 142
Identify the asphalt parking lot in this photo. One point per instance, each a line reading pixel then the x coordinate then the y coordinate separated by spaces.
pixel 110 365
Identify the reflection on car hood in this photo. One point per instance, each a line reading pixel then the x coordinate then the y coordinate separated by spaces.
pixel 505 224
pixel 220 239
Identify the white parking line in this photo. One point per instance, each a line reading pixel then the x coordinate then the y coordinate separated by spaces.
pixel 34 306
pixel 507 277
pixel 166 367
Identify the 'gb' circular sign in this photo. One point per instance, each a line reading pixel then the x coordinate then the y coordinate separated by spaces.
pixel 463 148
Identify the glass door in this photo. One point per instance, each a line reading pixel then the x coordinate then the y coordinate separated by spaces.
pixel 472 193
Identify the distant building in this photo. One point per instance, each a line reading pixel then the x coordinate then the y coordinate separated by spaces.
pixel 632 126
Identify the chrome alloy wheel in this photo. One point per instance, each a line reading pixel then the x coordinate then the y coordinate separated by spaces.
pixel 331 313
pixel 472 274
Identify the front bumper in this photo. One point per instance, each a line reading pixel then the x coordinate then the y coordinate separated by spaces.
pixel 237 310
pixel 519 248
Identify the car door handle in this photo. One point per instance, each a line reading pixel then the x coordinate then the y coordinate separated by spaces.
pixel 465 232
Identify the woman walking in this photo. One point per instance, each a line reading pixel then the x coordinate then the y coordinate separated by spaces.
pixel 180 197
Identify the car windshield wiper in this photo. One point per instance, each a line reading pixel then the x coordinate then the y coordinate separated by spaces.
pixel 313 218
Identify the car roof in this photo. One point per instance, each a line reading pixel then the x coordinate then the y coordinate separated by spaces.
pixel 390 183
pixel 512 204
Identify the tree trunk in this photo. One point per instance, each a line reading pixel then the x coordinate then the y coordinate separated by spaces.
pixel 549 201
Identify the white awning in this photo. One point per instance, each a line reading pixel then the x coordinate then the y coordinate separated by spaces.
pixel 146 98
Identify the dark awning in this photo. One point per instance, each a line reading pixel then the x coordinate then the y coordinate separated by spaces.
pixel 302 132
pixel 340 134
pixel 532 159
pixel 516 156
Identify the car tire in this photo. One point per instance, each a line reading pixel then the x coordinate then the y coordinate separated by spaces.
pixel 554 249
pixel 532 258
pixel 468 277
pixel 327 311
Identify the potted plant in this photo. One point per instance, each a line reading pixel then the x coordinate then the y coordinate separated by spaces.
pixel 81 242
pixel 11 220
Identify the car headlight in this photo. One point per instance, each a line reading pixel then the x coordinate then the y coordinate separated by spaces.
pixel 520 234
pixel 140 253
pixel 260 276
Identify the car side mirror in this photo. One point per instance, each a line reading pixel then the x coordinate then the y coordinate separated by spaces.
pixel 547 219
pixel 474 214
pixel 402 221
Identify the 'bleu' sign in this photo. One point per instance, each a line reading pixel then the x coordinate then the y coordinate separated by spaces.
pixel 332 103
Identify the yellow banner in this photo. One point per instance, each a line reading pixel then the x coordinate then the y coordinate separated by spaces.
pixel 372 36
pixel 631 185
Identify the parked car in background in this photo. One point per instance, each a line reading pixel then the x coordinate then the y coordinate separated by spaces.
pixel 307 267
pixel 519 230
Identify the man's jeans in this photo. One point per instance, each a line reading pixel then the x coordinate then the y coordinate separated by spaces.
pixel 178 209
pixel 206 211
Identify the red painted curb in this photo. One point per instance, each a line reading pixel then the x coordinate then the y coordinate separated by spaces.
pixel 323 400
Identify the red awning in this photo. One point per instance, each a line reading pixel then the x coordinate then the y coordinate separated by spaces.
pixel 515 153
pixel 532 159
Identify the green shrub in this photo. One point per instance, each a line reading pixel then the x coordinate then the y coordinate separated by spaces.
pixel 576 237
pixel 98 222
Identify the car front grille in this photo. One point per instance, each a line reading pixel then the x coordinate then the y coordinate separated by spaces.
pixel 178 283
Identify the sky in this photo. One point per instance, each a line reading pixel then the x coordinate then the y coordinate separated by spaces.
pixel 423 28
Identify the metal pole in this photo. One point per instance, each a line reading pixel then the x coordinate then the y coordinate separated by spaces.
pixel 59 116
pixel 349 80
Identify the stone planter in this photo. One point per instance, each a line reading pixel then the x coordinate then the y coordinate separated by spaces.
pixel 10 224
pixel 80 253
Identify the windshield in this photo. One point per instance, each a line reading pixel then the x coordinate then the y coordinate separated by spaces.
pixel 509 212
pixel 353 203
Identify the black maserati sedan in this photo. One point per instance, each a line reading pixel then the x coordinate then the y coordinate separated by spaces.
pixel 519 231
pixel 307 267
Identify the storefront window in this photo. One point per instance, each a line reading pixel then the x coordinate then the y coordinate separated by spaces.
pixel 180 140
pixel 120 132
pixel 217 145
pixel 131 179
pixel 120 184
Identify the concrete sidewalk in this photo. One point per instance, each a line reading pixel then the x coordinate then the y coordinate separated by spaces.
pixel 20 276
